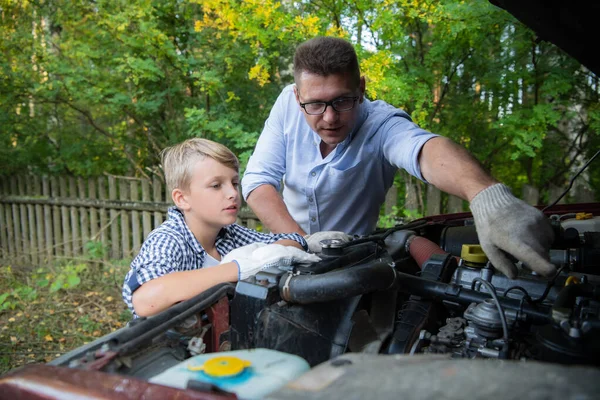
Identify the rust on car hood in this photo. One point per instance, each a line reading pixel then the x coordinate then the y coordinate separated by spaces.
pixel 46 382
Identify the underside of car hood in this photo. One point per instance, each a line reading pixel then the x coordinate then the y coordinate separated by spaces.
pixel 571 25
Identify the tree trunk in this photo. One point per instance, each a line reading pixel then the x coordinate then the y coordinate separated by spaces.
pixel 455 204
pixel 531 195
pixel 391 199
pixel 411 201
pixel 434 199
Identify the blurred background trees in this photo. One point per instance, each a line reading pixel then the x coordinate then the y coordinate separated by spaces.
pixel 93 87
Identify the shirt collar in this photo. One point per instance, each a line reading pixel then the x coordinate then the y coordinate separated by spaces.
pixel 176 215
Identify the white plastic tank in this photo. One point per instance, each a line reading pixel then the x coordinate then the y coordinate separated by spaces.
pixel 250 374
pixel 583 223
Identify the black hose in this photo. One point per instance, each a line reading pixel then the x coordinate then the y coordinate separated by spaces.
pixel 150 327
pixel 379 235
pixel 551 283
pixel 338 284
pixel 352 256
pixel 526 295
pixel 454 293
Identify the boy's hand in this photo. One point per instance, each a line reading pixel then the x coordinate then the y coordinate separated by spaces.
pixel 276 254
pixel 257 256
pixel 242 252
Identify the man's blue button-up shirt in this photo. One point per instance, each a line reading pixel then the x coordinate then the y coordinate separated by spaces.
pixel 345 190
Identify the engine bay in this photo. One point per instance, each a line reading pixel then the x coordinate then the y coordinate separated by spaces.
pixel 424 290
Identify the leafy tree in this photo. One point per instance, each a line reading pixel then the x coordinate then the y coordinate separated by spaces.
pixel 91 87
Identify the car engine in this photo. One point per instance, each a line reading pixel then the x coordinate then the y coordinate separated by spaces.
pixel 428 288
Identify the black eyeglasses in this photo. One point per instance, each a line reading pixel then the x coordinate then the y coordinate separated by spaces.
pixel 319 107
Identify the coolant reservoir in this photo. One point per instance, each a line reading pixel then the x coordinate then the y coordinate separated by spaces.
pixel 250 374
pixel 583 222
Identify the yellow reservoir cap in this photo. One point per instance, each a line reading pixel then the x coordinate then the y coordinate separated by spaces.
pixel 584 215
pixel 473 253
pixel 222 367
pixel 572 280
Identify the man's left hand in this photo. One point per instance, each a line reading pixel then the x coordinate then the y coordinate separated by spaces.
pixel 314 240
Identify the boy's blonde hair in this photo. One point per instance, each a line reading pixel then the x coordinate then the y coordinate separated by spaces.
pixel 178 161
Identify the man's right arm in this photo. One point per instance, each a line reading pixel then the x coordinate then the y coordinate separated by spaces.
pixel 267 166
pixel 269 207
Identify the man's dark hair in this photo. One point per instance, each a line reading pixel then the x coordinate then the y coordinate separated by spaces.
pixel 326 56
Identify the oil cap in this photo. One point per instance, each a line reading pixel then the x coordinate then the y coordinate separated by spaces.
pixel 473 255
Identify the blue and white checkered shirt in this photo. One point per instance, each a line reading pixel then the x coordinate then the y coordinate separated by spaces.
pixel 173 247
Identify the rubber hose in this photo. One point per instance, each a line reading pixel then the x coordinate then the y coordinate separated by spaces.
pixel 421 249
pixel 306 289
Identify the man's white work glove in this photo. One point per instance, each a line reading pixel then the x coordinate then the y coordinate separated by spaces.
pixel 314 240
pixel 255 257
pixel 506 223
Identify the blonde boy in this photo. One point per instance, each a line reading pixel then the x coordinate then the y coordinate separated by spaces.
pixel 182 257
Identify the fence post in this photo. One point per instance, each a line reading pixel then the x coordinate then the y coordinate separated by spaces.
pixel 83 215
pixel 56 248
pixel 76 239
pixel 3 224
pixel 10 233
pixel 23 209
pixel 123 195
pixel 157 188
pixel 29 189
pixel 135 218
pixel 115 244
pixel 39 222
pixel 146 216
pixel 16 223
pixel 103 229
pixel 64 213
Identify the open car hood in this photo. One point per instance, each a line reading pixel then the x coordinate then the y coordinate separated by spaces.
pixel 573 26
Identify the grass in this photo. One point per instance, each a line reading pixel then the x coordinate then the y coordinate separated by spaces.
pixel 48 311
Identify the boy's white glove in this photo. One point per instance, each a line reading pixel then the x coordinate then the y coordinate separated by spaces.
pixel 255 257
pixel 242 252
pixel 314 240
pixel 279 255
pixel 506 223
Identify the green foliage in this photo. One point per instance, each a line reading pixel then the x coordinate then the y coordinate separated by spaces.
pixel 40 319
pixel 389 220
pixel 88 88
pixel 68 277
pixel 96 250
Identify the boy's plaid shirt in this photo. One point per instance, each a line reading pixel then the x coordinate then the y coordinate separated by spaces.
pixel 173 247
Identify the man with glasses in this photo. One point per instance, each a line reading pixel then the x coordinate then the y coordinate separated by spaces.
pixel 337 154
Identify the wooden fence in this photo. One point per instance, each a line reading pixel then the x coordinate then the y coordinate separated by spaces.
pixel 43 219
